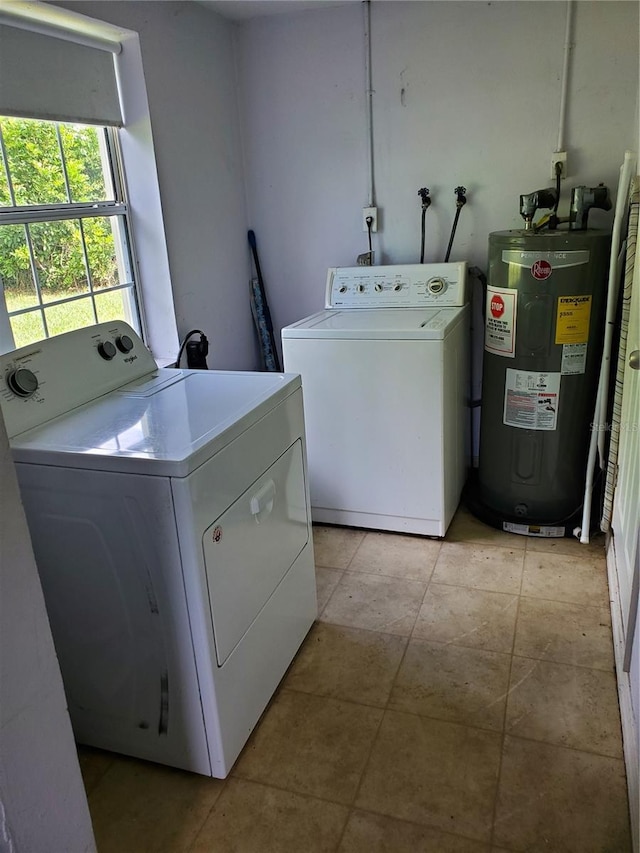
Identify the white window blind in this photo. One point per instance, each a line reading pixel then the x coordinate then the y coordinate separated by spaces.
pixel 45 77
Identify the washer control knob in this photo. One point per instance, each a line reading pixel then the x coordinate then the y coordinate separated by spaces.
pixel 360 288
pixel 107 350
pixel 22 382
pixel 397 287
pixel 436 285
pixel 342 288
pixel 378 288
pixel 124 343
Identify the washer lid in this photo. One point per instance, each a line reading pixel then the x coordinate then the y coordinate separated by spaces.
pixel 157 427
pixel 377 324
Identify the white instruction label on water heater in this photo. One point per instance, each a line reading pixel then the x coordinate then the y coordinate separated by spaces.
pixel 574 359
pixel 545 532
pixel 531 399
pixel 500 322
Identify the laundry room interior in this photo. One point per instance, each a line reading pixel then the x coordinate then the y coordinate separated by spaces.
pixel 465 688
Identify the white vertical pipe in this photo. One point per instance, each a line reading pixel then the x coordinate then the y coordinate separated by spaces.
pixel 599 415
pixel 369 99
pixel 565 77
pixel 614 285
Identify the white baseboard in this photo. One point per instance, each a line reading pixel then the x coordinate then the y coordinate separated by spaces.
pixel 629 732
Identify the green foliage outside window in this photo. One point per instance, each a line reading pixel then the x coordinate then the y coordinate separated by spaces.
pixel 35 166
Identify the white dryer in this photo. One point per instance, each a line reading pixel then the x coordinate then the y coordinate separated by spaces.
pixel 169 516
pixel 385 372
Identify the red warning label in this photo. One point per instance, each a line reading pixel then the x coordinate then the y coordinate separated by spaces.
pixel 497 306
pixel 500 325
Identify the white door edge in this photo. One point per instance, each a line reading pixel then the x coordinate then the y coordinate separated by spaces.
pixel 629 726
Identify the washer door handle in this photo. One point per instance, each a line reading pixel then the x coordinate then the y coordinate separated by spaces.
pixel 261 503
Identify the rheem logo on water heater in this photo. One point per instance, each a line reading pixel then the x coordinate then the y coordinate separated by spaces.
pixel 497 306
pixel 541 270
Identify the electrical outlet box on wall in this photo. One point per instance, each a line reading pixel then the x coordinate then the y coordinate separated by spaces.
pixel 561 158
pixel 370 212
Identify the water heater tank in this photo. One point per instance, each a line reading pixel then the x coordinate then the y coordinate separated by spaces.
pixel 544 328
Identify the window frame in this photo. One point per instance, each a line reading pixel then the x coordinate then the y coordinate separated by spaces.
pixel 117 210
pixel 138 154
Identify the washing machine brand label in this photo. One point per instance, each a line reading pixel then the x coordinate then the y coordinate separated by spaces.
pixel 541 269
pixel 531 399
pixel 574 359
pixel 500 325
pixel 572 319
pixel 555 260
pixel 216 535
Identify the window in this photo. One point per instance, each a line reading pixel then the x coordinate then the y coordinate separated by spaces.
pixel 65 249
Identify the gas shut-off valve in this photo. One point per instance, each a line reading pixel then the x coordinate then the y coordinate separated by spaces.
pixel 583 199
pixel 530 203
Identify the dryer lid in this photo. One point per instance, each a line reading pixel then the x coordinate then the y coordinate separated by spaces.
pixel 162 427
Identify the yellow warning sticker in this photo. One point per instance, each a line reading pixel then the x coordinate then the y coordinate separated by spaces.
pixel 572 322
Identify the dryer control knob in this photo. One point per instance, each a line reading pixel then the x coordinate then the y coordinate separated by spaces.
pixel 22 382
pixel 342 288
pixel 107 350
pixel 360 288
pixel 436 285
pixel 397 287
pixel 124 343
pixel 378 288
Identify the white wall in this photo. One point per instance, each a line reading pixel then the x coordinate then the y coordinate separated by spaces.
pixel 480 107
pixel 43 807
pixel 187 54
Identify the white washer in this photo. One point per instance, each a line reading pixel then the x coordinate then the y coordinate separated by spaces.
pixel 170 521
pixel 385 381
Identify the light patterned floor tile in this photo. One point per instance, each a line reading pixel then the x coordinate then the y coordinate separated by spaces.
pixel 375 603
pixel 467 617
pixel 369 833
pixel 94 763
pixel 310 745
pixel 561 800
pixel 334 547
pixel 485 567
pixel 453 683
pixel 347 663
pixel 409 557
pixel 567 545
pixel 465 527
pixel 143 807
pixel 438 774
pixel 577 580
pixel 254 818
pixel 564 705
pixel 326 581
pixel 564 633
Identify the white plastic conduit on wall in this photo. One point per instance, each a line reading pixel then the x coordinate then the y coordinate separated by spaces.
pixel 599 416
pixel 565 76
pixel 371 195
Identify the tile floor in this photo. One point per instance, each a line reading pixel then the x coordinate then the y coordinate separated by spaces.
pixel 454 697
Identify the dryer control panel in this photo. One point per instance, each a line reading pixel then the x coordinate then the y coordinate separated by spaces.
pixel 397 286
pixel 46 379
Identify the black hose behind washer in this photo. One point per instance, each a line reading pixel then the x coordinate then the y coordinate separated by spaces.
pixel 461 200
pixel 426 201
